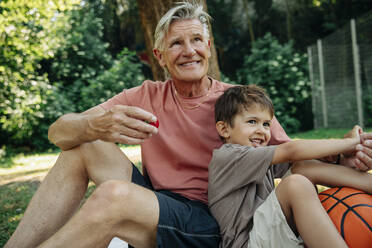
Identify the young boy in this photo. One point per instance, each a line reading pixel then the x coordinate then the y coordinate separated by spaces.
pixel 242 196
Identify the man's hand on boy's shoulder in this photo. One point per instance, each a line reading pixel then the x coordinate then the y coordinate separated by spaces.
pixel 361 159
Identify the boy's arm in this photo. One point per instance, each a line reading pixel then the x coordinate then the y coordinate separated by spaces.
pixel 311 149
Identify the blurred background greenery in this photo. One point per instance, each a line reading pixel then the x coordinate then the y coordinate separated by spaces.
pixel 59 56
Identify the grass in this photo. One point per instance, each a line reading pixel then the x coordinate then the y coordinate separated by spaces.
pixel 21 174
pixel 323 133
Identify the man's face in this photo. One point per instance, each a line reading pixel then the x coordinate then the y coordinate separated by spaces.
pixel 186 51
pixel 250 127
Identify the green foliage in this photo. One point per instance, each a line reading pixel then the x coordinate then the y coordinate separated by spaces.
pixel 27 36
pixel 367 106
pixel 125 73
pixel 14 198
pixel 82 57
pixel 53 60
pixel 226 79
pixel 283 73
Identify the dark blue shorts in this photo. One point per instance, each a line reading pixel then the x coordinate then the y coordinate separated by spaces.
pixel 183 223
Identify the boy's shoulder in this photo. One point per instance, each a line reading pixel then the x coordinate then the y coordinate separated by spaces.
pixel 236 149
pixel 227 150
pixel 235 153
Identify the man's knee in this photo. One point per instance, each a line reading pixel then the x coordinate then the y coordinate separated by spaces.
pixel 95 148
pixel 109 202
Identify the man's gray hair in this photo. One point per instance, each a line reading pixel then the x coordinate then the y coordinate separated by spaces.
pixel 182 11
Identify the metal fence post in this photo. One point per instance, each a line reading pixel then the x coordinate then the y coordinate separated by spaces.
pixel 357 73
pixel 322 84
pixel 313 87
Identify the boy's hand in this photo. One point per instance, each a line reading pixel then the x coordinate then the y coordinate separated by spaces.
pixel 361 159
pixel 354 133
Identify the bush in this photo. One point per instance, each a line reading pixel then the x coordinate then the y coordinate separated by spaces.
pixel 367 106
pixel 82 57
pixel 27 37
pixel 125 73
pixel 284 75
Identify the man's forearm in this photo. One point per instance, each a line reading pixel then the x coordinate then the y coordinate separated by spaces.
pixel 70 130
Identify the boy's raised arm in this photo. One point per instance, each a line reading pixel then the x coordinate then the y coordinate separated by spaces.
pixel 311 149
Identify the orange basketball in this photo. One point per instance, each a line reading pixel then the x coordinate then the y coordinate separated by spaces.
pixel 351 211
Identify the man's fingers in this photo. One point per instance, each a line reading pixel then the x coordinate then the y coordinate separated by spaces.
pixel 364 155
pixel 137 125
pixel 135 118
pixel 140 114
pixel 360 165
pixel 367 138
pixel 130 132
pixel 123 139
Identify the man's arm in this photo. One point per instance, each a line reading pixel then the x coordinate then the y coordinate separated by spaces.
pixel 311 149
pixel 121 124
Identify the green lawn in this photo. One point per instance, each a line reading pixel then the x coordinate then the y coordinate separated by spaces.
pixel 20 175
pixel 323 133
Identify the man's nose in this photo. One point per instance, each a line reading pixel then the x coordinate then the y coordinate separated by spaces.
pixel 188 49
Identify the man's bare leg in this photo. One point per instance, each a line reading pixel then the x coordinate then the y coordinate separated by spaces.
pixel 305 214
pixel 116 208
pixel 60 194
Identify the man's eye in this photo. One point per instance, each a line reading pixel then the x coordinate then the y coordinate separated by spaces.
pixel 175 43
pixel 198 39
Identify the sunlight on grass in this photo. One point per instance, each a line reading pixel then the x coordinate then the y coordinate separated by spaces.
pixel 38 164
pixel 323 133
pixel 15 218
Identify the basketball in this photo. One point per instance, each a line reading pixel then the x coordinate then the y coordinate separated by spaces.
pixel 351 212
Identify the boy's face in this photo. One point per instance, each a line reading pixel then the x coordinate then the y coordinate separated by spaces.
pixel 250 128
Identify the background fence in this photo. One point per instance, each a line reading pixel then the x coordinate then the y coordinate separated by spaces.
pixel 341 73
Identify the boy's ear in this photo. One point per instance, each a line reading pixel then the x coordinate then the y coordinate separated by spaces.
pixel 222 129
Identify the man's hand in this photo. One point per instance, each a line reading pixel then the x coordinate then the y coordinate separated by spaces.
pixel 122 124
pixel 362 158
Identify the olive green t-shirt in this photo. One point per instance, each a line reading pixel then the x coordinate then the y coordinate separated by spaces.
pixel 240 180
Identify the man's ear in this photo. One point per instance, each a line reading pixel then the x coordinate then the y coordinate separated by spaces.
pixel 223 129
pixel 209 49
pixel 159 56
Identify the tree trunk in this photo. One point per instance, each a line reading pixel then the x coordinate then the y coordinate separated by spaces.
pixel 150 12
pixel 250 25
pixel 288 20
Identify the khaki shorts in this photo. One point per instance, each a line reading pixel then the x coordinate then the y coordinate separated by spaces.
pixel 270 228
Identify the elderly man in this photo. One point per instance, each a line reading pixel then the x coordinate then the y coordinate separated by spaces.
pixel 167 206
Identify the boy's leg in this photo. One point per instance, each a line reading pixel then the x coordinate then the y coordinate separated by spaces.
pixel 60 194
pixel 333 175
pixel 305 214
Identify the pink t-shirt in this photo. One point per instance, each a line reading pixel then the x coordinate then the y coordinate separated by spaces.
pixel 177 157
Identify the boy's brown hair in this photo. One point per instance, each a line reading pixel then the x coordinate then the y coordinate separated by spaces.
pixel 235 99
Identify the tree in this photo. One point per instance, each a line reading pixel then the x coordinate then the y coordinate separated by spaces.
pixel 150 13
pixel 283 73
pixel 27 36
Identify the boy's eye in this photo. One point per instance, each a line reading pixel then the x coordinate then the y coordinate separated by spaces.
pixel 266 124
pixel 251 121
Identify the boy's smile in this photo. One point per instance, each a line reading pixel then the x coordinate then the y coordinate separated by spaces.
pixel 250 127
